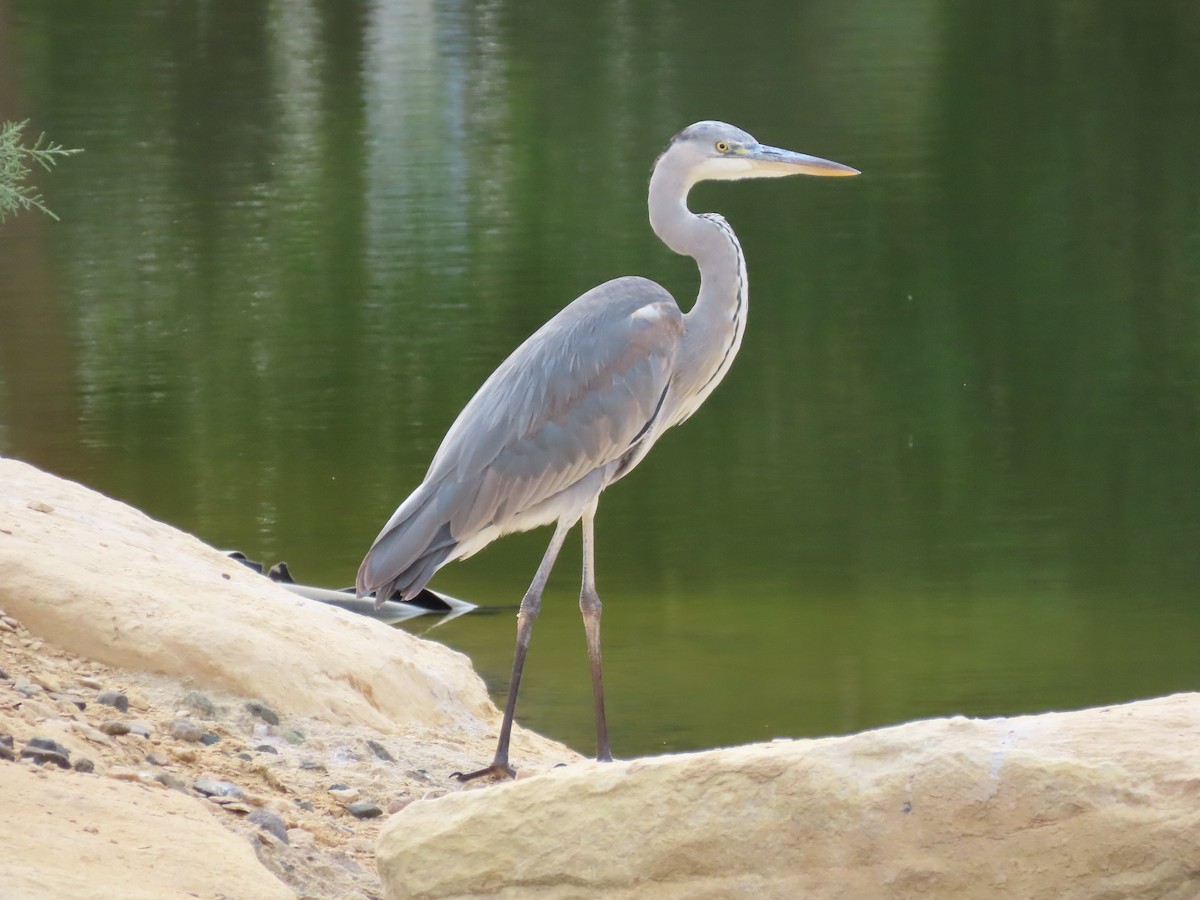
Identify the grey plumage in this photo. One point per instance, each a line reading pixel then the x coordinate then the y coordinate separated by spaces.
pixel 521 441
pixel 583 399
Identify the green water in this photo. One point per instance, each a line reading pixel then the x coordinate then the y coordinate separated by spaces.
pixel 956 468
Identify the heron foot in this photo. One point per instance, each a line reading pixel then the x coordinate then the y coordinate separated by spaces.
pixel 496 770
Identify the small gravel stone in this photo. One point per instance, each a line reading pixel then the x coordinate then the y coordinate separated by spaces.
pixel 6 747
pixel 90 683
pixel 306 805
pixel 344 794
pixel 268 821
pixel 77 702
pixel 210 787
pixel 95 735
pixel 199 703
pixel 83 764
pixel 48 683
pixel 208 739
pixel 185 730
pixel 141 776
pixel 169 780
pixel 266 748
pixel 28 688
pixel 44 750
pixel 294 737
pixel 264 712
pixel 380 751
pixel 364 809
pixel 140 727
pixel 115 699
pixel 157 758
pixel 115 728
pixel 34 711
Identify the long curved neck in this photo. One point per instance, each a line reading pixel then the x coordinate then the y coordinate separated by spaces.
pixel 716 322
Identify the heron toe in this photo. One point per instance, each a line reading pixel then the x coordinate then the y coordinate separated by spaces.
pixel 495 770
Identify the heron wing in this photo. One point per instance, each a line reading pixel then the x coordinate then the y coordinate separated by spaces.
pixel 572 398
pixel 577 395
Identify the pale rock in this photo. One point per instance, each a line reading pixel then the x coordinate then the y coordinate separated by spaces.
pixel 35 711
pixel 47 682
pixel 107 582
pixel 123 842
pixel 95 735
pixel 103 581
pixel 185 730
pixel 1096 803
pixel 126 773
pixel 299 837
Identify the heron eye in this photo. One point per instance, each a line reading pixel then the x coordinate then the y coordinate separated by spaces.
pixel 722 146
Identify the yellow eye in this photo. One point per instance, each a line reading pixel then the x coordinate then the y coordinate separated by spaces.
pixel 722 146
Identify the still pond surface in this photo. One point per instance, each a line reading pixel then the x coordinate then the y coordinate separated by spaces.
pixel 955 469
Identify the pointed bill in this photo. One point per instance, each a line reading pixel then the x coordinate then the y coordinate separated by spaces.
pixel 777 161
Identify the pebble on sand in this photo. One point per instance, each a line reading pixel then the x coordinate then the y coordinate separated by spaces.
pixel 115 699
pixel 44 750
pixel 380 751
pixel 211 787
pixel 185 730
pixel 264 712
pixel 199 703
pixel 268 821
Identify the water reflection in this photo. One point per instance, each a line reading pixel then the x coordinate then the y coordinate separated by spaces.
pixel 952 471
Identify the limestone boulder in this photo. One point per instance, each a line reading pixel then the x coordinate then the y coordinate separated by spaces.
pixel 86 580
pixel 103 580
pixel 1096 803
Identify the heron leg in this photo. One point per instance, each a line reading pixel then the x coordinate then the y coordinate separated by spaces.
pixel 589 605
pixel 531 605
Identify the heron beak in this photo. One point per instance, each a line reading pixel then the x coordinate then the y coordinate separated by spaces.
pixel 769 162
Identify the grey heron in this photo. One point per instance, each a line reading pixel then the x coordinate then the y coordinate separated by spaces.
pixel 580 403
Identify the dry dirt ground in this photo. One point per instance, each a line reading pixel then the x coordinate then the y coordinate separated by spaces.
pixel 312 841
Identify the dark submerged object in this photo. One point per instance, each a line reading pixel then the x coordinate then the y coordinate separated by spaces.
pixel 392 610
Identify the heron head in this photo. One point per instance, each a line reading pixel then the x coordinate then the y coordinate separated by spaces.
pixel 716 151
